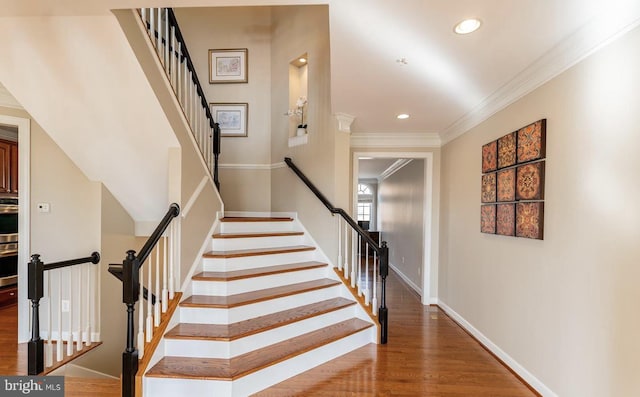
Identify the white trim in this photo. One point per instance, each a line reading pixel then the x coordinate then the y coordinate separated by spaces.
pixel 344 121
pixel 261 214
pixel 252 166
pixel 430 262
pixel 24 223
pixel 194 196
pixel 396 140
pixel 591 37
pixel 501 354
pixel 406 279
pixel 393 168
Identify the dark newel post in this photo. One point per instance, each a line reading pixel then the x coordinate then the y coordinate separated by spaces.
pixel 382 311
pixel 34 293
pixel 216 153
pixel 130 294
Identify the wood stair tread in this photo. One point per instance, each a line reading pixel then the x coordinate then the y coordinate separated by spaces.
pixel 258 251
pixel 256 234
pixel 236 367
pixel 255 219
pixel 241 329
pixel 256 272
pixel 214 301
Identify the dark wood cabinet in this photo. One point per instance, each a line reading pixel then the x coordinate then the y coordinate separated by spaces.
pixel 8 167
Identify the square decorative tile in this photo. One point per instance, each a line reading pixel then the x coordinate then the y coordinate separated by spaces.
pixel 488 219
pixel 489 188
pixel 532 141
pixel 530 181
pixel 506 185
pixel 530 220
pixel 506 219
pixel 507 150
pixel 490 157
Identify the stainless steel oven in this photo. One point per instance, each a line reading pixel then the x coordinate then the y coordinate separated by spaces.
pixel 8 241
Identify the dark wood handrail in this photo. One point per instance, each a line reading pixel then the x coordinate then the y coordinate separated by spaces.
pixel 382 250
pixel 174 210
pixel 94 258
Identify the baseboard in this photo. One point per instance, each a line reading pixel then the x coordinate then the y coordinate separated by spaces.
pixel 507 360
pixel 406 279
pixel 77 371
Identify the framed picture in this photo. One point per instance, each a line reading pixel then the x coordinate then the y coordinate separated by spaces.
pixel 228 66
pixel 232 118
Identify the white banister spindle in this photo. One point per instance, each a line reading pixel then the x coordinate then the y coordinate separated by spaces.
pixel 141 316
pixel 156 306
pixel 172 72
pixel 165 291
pixel 359 270
pixel 366 275
pixel 143 16
pixel 59 343
pixel 374 301
pixel 48 353
pixel 80 306
pixel 346 251
pixel 89 311
pixel 166 39
pixel 152 21
pixel 172 230
pixel 158 29
pixel 354 241
pixel 70 314
pixel 149 330
pixel 339 243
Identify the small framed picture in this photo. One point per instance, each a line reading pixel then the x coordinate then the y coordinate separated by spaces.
pixel 232 118
pixel 228 66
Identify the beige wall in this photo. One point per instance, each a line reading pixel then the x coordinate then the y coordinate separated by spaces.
pixel 564 308
pixel 298 30
pixel 401 200
pixel 247 189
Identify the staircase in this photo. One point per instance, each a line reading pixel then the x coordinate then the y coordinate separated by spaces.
pixel 264 306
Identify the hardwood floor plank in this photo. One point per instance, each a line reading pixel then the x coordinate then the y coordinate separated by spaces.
pixel 257 251
pixel 253 326
pixel 256 296
pixel 234 368
pixel 256 272
pixel 83 387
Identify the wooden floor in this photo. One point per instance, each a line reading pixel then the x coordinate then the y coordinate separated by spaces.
pixel 427 354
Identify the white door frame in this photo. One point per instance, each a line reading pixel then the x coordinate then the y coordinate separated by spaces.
pixel 24 229
pixel 430 263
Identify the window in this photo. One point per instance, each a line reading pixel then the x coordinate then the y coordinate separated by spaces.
pixel 363 189
pixel 364 212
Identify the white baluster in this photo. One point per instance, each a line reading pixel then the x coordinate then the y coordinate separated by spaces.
pixel 339 243
pixel 172 232
pixel 90 292
pixel 354 241
pixel 374 301
pixel 59 343
pixel 172 73
pixel 149 330
pixel 359 270
pixel 346 250
pixel 158 29
pixel 152 19
pixel 80 308
pixel 165 291
pixel 70 314
pixel 166 39
pixel 366 275
pixel 141 316
pixel 156 306
pixel 48 353
pixel 184 85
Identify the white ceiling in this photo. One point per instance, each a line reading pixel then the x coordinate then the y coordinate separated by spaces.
pixel 373 168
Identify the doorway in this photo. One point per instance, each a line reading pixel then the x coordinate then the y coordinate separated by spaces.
pixel 425 280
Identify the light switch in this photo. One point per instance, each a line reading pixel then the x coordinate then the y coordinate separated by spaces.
pixel 43 207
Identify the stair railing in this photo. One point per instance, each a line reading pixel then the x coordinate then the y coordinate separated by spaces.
pixel 357 272
pixel 165 35
pixel 161 253
pixel 66 288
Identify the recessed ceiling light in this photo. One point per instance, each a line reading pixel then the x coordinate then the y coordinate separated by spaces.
pixel 302 60
pixel 402 116
pixel 467 26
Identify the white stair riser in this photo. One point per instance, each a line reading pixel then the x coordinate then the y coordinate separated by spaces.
pixel 262 227
pixel 249 262
pixel 222 349
pixel 196 315
pixel 171 387
pixel 224 288
pixel 226 244
pixel 259 380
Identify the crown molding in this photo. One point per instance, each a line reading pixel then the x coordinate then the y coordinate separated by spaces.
pixel 396 140
pixel 591 37
pixel 7 100
pixel 344 122
pixel 393 168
